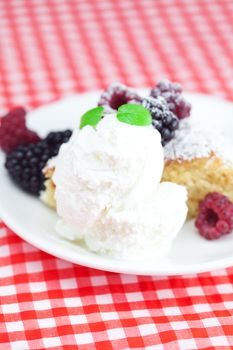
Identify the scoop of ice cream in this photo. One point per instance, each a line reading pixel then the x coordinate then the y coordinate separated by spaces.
pixel 99 167
pixel 108 192
pixel 137 231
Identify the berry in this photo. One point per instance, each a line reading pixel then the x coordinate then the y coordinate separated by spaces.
pixel 116 95
pixel 172 93
pixel 215 217
pixel 13 130
pixel 25 164
pixel 162 118
pixel 55 139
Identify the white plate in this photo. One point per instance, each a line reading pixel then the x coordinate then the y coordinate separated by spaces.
pixel 34 222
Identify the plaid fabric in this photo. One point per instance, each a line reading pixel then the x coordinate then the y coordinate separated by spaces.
pixel 52 48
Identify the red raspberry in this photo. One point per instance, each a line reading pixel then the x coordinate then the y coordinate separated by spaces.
pixel 116 95
pixel 215 217
pixel 13 130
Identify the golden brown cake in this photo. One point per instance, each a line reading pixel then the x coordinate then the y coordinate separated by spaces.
pixel 201 161
pixel 200 176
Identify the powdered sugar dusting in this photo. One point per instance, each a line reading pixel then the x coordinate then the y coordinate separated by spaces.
pixel 194 141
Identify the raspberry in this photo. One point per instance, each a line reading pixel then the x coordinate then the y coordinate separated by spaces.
pixel 215 217
pixel 13 130
pixel 172 93
pixel 26 162
pixel 162 118
pixel 116 95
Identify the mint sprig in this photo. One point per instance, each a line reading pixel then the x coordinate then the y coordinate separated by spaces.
pixel 92 117
pixel 134 114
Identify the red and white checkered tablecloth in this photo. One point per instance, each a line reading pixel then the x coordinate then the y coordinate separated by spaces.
pixel 51 48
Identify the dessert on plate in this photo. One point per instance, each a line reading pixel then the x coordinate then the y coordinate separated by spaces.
pixel 118 183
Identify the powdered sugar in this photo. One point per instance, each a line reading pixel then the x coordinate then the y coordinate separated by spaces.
pixel 192 141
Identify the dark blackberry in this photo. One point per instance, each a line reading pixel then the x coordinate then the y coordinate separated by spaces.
pixel 25 164
pixel 55 138
pixel 162 118
pixel 172 93
pixel 117 95
pixel 58 137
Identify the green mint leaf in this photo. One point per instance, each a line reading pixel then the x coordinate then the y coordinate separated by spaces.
pixel 92 117
pixel 134 114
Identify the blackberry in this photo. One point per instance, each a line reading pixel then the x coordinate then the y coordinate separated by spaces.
pixel 172 93
pixel 55 138
pixel 116 95
pixel 25 164
pixel 162 118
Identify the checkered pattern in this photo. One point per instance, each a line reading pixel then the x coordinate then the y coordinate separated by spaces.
pixel 51 48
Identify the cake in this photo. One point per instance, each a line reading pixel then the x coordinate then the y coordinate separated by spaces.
pixel 200 160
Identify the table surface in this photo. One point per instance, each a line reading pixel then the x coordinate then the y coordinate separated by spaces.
pixel 50 49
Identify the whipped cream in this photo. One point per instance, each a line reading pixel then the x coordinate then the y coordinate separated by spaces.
pixel 108 191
